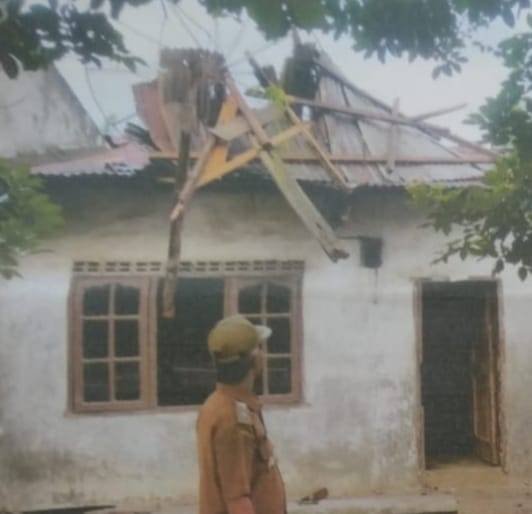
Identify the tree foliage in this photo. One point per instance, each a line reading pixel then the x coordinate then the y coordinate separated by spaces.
pixel 35 34
pixel 26 216
pixel 496 220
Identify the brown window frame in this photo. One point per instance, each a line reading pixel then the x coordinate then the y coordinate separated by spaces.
pixel 77 360
pixel 293 282
pixel 235 275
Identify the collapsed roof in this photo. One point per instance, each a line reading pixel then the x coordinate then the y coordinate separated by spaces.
pixel 317 127
pixel 369 142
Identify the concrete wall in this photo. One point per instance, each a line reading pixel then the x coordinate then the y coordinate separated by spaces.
pixel 39 112
pixel 354 432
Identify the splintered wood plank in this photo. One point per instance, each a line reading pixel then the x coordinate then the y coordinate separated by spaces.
pixel 219 153
pixel 439 112
pixel 323 157
pixel 239 126
pixel 176 228
pixel 312 142
pixel 217 171
pixel 248 113
pixel 302 205
pixel 192 179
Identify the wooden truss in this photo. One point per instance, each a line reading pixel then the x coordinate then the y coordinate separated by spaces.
pixel 237 119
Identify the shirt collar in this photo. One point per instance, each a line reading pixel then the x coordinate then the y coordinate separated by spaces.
pixel 240 395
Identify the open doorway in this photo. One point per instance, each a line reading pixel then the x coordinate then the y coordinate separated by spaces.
pixel 459 373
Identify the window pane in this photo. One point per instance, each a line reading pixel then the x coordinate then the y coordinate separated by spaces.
pixel 278 299
pixel 95 339
pixel 279 376
pixel 279 341
pixel 127 381
pixel 96 382
pixel 126 338
pixel 96 300
pixel 126 299
pixel 249 300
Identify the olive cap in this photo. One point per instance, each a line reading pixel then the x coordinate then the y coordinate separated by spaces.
pixel 234 336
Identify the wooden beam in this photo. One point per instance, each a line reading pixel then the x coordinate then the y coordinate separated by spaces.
pixel 439 112
pixel 247 156
pixel 392 139
pixel 192 179
pixel 176 228
pixel 400 120
pixel 301 204
pixel 324 158
pixel 445 133
pixel 439 131
pixel 239 126
pixel 358 113
pixel 170 155
pixel 219 154
pixel 248 113
pixel 312 142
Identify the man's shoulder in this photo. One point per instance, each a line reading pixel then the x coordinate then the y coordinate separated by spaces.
pixel 219 408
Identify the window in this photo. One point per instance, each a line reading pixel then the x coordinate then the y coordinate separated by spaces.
pixel 273 303
pixel 110 343
pixel 126 355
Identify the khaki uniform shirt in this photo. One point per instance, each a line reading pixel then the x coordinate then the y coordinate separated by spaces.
pixel 235 456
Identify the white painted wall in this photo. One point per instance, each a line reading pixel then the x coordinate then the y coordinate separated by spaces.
pixel 355 430
pixel 39 112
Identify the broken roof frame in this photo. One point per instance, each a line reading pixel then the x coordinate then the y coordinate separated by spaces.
pixel 214 161
pixel 353 139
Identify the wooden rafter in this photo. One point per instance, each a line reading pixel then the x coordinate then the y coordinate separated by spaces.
pixel 212 164
pixel 439 112
pixel 323 156
pixel 217 171
pixel 336 175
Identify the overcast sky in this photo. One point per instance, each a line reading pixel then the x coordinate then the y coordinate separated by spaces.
pixel 146 29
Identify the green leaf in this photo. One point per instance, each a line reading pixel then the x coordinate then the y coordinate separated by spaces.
pixel 308 14
pixel 9 64
pixel 269 16
pixel 25 219
pixel 499 267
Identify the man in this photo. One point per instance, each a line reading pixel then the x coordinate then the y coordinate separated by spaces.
pixel 238 472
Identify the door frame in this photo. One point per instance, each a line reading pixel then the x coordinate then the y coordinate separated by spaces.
pixel 500 364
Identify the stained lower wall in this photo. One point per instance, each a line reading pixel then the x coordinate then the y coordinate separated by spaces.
pixel 355 430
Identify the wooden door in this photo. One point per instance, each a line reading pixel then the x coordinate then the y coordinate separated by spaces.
pixel 484 368
pixel 420 439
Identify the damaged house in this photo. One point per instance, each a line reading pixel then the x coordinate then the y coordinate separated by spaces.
pixel 294 213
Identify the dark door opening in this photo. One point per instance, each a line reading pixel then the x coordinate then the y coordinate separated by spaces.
pixel 459 379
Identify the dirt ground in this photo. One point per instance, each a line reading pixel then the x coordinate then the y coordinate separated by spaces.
pixel 480 489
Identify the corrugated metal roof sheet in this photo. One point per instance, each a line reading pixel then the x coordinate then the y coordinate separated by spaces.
pixel 347 136
pixel 125 160
pixel 341 135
